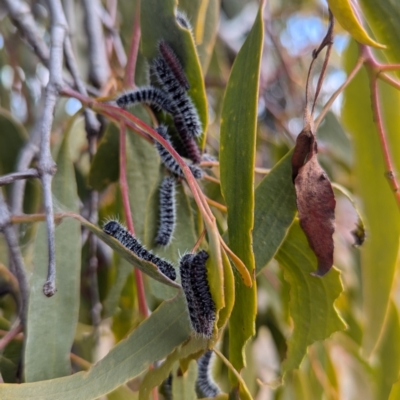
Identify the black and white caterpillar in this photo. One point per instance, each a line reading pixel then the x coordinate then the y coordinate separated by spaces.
pixel 183 20
pixel 148 95
pixel 117 231
pixel 167 211
pixel 169 161
pixel 205 384
pixel 184 113
pixel 194 282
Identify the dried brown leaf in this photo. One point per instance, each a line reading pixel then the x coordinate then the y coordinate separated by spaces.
pixel 315 200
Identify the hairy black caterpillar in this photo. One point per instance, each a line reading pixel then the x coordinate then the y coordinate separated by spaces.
pixel 148 95
pixel 173 62
pixel 191 147
pixel 194 282
pixel 205 384
pixel 169 161
pixel 184 113
pixel 167 211
pixel 116 230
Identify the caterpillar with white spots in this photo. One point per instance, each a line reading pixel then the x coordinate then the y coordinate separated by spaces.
pixel 117 231
pixel 169 161
pixel 194 282
pixel 205 383
pixel 167 211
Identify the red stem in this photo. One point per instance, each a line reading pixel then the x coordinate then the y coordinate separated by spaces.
pixel 382 137
pixel 123 183
pixel 10 335
pixel 133 51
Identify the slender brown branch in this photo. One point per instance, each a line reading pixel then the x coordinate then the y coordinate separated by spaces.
pixel 15 176
pixel 134 48
pixel 211 179
pixel 217 205
pixel 382 137
pixel 15 255
pixel 46 164
pixel 81 362
pixel 389 67
pixel 389 80
pixel 11 334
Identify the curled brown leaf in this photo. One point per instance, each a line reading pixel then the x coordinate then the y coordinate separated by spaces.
pixel 315 199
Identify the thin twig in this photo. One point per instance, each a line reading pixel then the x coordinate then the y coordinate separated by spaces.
pixel 22 17
pixel 211 179
pixel 81 362
pixel 217 205
pixel 99 67
pixel 15 255
pixel 382 137
pixel 11 334
pixel 389 80
pixel 334 96
pixel 134 48
pixel 46 164
pixel 15 176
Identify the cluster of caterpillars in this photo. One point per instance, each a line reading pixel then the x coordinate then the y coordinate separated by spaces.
pixel 171 97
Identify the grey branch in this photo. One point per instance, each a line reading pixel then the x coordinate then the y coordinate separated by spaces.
pixel 10 178
pixel 99 68
pixel 15 255
pixel 22 17
pixel 46 164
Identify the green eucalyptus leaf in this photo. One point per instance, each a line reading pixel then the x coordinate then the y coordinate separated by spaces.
pixel 153 340
pixel 378 203
pixel 51 322
pixel 312 298
pixel 183 387
pixel 237 157
pixel 105 165
pixel 274 211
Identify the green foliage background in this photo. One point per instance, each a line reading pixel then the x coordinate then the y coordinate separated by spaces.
pixel 291 335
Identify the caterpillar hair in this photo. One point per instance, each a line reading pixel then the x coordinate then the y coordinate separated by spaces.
pixel 167 211
pixel 169 161
pixel 148 95
pixel 183 20
pixel 201 306
pixel 184 113
pixel 205 383
pixel 173 62
pixel 184 269
pixel 117 231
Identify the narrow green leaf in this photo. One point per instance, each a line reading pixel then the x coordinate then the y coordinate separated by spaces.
pixel 229 292
pixel 51 322
pixel 145 266
pixel 383 18
pixel 382 218
pixel 162 25
pixel 153 340
pixel 142 166
pixel 124 268
pixel 105 165
pixel 311 298
pixel 388 354
pixel 122 393
pixel 12 137
pixel 204 15
pixel 183 387
pixel 237 155
pixel 156 376
pixel 274 211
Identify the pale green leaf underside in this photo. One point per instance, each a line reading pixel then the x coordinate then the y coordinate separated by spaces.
pixel 153 340
pixel 311 298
